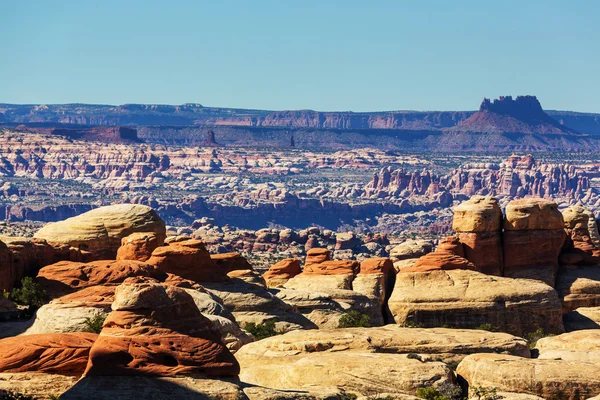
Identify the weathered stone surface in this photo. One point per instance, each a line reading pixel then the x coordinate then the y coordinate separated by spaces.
pixel 29 255
pixel 248 275
pixel 484 250
pixel 64 318
pixel 323 283
pixel 411 249
pixel 144 387
pixel 447 344
pixel 549 379
pixel 66 277
pixel 138 246
pixel 376 265
pixel 578 287
pixel 65 353
pixel 332 267
pixel 231 262
pixel 532 254
pixel 38 385
pixel 574 346
pixel 360 373
pixel 532 214
pixel 468 299
pixel 447 256
pixel 156 329
pixel 100 230
pixel 253 303
pixel 281 272
pixel 580 226
pixel 188 259
pixel 478 214
pixel 317 255
pixel 582 318
pixel 8 273
pixel 311 393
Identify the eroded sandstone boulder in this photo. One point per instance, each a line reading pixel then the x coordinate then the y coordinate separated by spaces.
pixel 65 353
pixel 549 379
pixel 188 259
pixel 156 330
pixel 468 299
pixel 138 246
pixel 281 272
pixel 231 262
pixel 100 230
pixel 66 277
pixel 447 256
pixel 574 346
pixel 533 238
pixel 478 214
pixel 582 318
pixel 578 286
pixel 580 227
pixel 317 255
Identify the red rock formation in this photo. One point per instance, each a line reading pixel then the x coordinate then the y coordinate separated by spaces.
pixel 188 259
pixel 532 239
pixel 317 255
pixel 447 256
pixel 579 248
pixel 66 276
pixel 137 246
pixel 478 223
pixel 332 267
pixel 57 353
pixel 281 272
pixel 376 265
pixel 156 330
pixel 7 268
pixel 230 262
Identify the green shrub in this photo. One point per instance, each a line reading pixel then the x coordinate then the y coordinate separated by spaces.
pixel 262 331
pixel 354 319
pixel 94 324
pixel 30 294
pixel 446 391
pixel 533 337
pixel 10 395
pixel 482 393
pixel 452 364
pixel 411 324
pixel 488 327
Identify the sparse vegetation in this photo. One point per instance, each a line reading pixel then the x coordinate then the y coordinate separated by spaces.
pixel 94 324
pixel 411 324
pixel 30 294
pixel 354 319
pixel 452 364
pixel 481 393
pixel 446 391
pixel 262 331
pixel 533 337
pixel 10 395
pixel 488 327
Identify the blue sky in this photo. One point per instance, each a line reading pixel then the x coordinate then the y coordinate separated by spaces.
pixel 322 55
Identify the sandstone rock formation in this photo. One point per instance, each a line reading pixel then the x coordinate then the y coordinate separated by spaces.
pixel 533 238
pixel 155 329
pixel 231 262
pixel 8 274
pixel 581 229
pixel 64 354
pixel 448 255
pixel 281 272
pixel 582 318
pixel 138 246
pixel 317 255
pixel 66 277
pixel 549 379
pixel 578 287
pixel 573 346
pixel 188 259
pixel 100 231
pixel 468 299
pixel 478 223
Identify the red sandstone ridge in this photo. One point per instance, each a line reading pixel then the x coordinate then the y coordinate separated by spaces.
pixel 521 115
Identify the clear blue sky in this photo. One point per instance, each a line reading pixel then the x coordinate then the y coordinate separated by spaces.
pixel 321 55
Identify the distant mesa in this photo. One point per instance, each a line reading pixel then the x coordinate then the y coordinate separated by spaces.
pixel 505 114
pixel 210 139
pixel 105 134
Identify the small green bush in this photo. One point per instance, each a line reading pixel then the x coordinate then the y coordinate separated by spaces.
pixel 30 294
pixel 94 324
pixel 411 324
pixel 262 331
pixel 482 393
pixel 354 319
pixel 446 391
pixel 533 337
pixel 452 365
pixel 488 327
